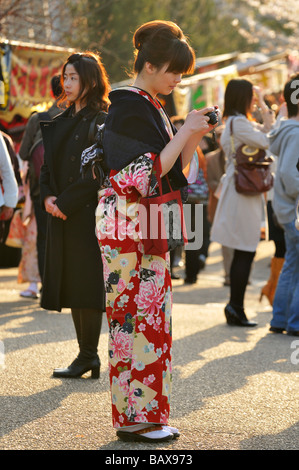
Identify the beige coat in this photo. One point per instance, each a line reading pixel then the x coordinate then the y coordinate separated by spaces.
pixel 238 218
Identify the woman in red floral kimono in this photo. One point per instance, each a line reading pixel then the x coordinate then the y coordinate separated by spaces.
pixel 138 286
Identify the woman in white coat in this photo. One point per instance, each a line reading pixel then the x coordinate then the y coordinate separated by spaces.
pixel 238 217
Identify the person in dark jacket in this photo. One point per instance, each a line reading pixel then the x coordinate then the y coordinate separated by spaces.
pixel 31 139
pixel 73 276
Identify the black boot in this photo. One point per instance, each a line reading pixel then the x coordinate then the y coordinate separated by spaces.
pixel 235 316
pixel 76 316
pixel 79 367
pixel 88 324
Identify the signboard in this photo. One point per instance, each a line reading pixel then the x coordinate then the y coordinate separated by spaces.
pixel 5 61
pixel 27 71
pixel 205 89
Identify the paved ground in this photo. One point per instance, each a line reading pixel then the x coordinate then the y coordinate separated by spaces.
pixel 234 388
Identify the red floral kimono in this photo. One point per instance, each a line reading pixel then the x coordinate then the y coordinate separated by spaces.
pixel 138 301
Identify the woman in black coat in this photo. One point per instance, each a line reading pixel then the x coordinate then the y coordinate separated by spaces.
pixel 73 275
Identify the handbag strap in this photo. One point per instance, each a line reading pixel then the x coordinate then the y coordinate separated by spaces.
pixel 232 137
pixel 92 131
pixel 157 166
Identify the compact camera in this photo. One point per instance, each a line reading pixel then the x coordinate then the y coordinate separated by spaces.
pixel 213 115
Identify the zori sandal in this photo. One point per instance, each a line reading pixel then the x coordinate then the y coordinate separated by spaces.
pixel 147 434
pixel 174 431
pixel 29 294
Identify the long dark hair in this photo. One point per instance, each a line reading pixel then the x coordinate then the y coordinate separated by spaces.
pixel 237 98
pixel 163 42
pixel 94 81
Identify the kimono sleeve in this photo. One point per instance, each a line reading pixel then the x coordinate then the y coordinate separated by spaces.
pixel 134 180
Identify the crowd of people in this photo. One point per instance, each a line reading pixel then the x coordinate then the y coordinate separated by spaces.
pixel 85 257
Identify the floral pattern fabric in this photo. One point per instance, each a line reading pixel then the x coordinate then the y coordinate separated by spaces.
pixel 138 301
pixel 28 266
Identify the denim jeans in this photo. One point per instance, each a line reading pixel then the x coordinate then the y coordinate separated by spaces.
pixel 286 300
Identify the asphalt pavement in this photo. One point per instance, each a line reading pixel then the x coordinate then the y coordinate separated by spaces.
pixel 233 388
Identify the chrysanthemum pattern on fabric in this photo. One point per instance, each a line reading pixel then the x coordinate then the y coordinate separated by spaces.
pixel 138 302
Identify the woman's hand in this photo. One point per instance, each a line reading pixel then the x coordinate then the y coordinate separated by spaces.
pixel 283 110
pixel 186 139
pixel 50 203
pixel 197 122
pixel 52 208
pixel 57 213
pixel 198 125
pixel 258 95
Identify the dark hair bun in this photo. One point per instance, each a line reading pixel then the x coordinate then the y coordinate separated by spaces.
pixel 149 30
pixel 160 42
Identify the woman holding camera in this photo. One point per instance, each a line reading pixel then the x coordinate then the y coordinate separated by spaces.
pixel 137 134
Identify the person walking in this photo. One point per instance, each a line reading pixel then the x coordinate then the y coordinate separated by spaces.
pixel 138 133
pixel 238 217
pixel 73 276
pixel 284 143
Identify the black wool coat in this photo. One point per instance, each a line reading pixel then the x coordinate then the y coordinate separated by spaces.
pixel 73 276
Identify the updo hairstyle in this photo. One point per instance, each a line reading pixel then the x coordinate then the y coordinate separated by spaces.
pixel 163 42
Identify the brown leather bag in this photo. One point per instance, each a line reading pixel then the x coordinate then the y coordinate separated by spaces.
pixel 252 169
